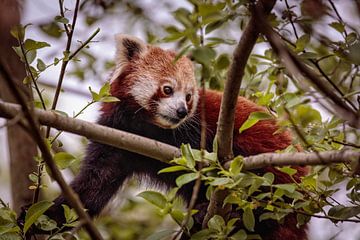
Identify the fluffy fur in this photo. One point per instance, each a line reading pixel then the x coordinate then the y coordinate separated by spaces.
pixel 145 108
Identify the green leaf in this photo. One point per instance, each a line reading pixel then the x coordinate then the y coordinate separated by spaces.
pixel 255 186
pixel 351 38
pixel 165 234
pixel 267 215
pixel 63 159
pixel 232 222
pixel 249 219
pixel 18 32
pixel 236 165
pixel 269 178
pixel 302 42
pixel 239 235
pixel 213 41
pixel 286 186
pixel 182 15
pixel 185 178
pixel 70 214
pixel 203 55
pixel 27 80
pixel 95 96
pixel 354 54
pixel 217 223
pixel 305 115
pixel 215 145
pixel 34 212
pixel 34 178
pixel 186 152
pixel 209 8
pixel 203 234
pixel 30 56
pixel 31 44
pixel 173 169
pixel 222 62
pixel 288 170
pixel 41 66
pixel 253 118
pixel 154 198
pixel 214 25
pixel 220 181
pixel 56 61
pixel 105 90
pixel 177 215
pixel 52 29
pixel 343 212
pixel 337 26
pixel 109 99
pixel 45 223
pixel 66 55
pixel 61 19
pixel 302 219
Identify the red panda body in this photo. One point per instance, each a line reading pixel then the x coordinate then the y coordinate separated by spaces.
pixel 159 99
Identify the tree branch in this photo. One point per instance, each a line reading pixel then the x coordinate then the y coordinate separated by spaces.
pixel 298 159
pixel 225 127
pixel 110 136
pixel 65 62
pixel 164 152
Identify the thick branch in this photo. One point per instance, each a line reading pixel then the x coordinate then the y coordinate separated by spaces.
pixel 225 127
pixel 232 86
pixel 164 152
pixel 298 158
pixel 110 136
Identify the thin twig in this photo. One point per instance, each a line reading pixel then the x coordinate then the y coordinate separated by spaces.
pixel 62 14
pixel 65 61
pixel 29 72
pixel 316 62
pixel 338 15
pixel 327 217
pixel 298 68
pixel 346 144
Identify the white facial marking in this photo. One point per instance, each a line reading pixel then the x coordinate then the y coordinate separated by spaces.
pixel 167 110
pixel 142 91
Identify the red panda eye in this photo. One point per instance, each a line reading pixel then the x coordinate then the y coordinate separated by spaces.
pixel 168 90
pixel 188 97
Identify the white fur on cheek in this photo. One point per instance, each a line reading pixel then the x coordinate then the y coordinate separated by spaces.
pixel 142 91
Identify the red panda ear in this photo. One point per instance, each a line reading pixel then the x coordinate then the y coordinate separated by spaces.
pixel 127 47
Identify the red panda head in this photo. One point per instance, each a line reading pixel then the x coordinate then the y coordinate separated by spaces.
pixel 155 80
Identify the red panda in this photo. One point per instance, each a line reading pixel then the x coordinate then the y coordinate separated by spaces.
pixel 159 99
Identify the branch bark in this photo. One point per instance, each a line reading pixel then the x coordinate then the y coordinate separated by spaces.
pixel 110 136
pixel 225 127
pixel 164 152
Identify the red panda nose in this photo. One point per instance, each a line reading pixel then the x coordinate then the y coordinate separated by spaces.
pixel 181 112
